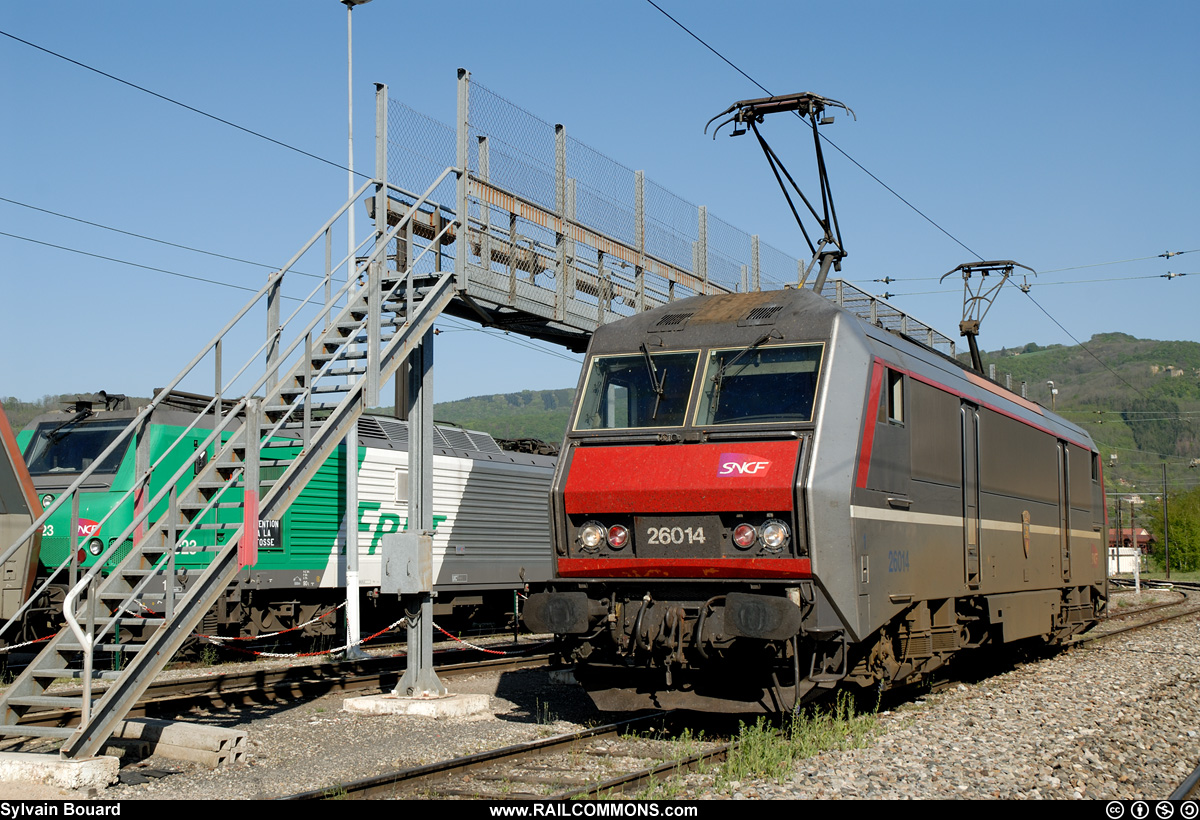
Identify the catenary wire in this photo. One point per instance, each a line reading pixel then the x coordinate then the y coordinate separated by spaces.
pixel 1082 347
pixel 833 144
pixel 152 239
pixel 1052 284
pixel 1075 267
pixel 495 334
pixel 183 105
pixel 132 264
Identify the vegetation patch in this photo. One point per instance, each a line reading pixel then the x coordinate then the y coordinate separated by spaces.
pixel 764 750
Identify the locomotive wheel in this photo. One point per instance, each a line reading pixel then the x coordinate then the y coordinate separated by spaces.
pixel 882 661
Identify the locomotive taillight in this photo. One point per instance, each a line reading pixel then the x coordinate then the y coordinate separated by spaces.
pixel 618 536
pixel 591 535
pixel 775 534
pixel 744 536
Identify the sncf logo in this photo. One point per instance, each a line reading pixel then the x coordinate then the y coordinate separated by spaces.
pixel 735 464
pixel 88 528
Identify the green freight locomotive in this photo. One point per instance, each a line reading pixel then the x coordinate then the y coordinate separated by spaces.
pixel 491 534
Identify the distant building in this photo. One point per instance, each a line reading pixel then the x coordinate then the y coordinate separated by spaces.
pixel 1128 535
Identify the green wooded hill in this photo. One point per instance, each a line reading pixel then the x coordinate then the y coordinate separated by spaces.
pixel 1138 398
pixel 540 414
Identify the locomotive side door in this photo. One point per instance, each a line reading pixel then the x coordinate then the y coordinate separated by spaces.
pixel 970 485
pixel 1064 509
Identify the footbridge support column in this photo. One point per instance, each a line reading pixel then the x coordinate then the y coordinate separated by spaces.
pixel 419 678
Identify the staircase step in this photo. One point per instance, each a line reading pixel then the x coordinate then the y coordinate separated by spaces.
pixel 341 354
pixel 48 701
pixel 71 645
pixel 276 445
pixel 346 371
pixel 317 389
pixel 130 574
pixel 123 596
pixel 317 405
pixel 197 506
pixel 37 731
pixel 346 328
pixel 215 485
pixel 135 621
pixel 219 525
pixel 54 673
pixel 384 338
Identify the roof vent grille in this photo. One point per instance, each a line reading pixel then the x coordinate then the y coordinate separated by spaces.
pixel 762 315
pixel 672 321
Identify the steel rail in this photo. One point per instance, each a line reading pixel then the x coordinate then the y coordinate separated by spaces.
pixel 648 776
pixel 419 776
pixel 1187 787
pixel 1090 637
pixel 167 697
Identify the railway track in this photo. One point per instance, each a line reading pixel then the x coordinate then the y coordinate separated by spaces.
pixel 1189 592
pixel 616 758
pixel 1189 789
pixel 167 698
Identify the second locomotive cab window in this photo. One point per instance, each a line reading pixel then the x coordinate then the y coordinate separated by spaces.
pixel 71 447
pixel 640 390
pixel 893 402
pixel 760 385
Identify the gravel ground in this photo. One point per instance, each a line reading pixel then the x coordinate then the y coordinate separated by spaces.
pixel 311 744
pixel 1113 720
pixel 1117 720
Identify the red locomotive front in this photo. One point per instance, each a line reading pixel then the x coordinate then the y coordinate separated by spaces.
pixel 678 530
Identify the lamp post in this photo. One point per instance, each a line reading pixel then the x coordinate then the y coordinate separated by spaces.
pixel 350 4
pixel 353 618
pixel 1053 395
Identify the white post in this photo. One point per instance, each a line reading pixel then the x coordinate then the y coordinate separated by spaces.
pixel 353 619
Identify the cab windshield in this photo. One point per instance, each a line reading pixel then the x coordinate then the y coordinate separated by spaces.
pixel 72 448
pixel 759 385
pixel 637 390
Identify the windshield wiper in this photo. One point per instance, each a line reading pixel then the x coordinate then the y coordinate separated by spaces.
pixel 655 380
pixel 53 436
pixel 720 374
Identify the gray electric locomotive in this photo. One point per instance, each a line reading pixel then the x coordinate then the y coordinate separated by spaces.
pixel 762 495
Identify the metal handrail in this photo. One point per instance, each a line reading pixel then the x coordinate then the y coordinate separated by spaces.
pixel 154 403
pixel 297 402
pixel 87 641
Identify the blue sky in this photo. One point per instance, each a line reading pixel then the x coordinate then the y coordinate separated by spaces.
pixel 1058 134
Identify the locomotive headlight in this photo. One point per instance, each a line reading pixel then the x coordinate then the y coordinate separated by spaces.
pixel 775 534
pixel 744 536
pixel 618 536
pixel 95 546
pixel 591 535
pixel 47 500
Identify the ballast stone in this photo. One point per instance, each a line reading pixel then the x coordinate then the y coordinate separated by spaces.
pixel 90 773
pixel 436 707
